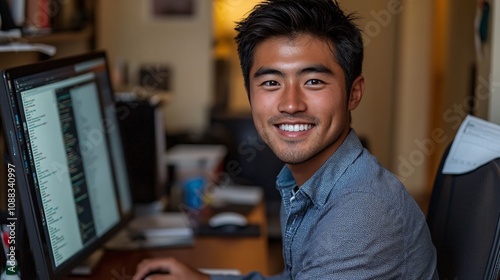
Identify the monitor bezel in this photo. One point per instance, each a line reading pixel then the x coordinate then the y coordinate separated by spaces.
pixel 28 199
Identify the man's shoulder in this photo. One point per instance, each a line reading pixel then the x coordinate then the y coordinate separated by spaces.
pixel 366 170
pixel 366 176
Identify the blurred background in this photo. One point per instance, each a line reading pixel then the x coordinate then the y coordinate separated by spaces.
pixel 427 65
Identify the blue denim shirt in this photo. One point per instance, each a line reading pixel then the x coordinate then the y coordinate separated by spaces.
pixel 352 219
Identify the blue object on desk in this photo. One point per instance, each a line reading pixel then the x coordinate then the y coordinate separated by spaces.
pixel 194 192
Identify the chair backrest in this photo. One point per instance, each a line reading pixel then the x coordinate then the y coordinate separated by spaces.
pixel 463 219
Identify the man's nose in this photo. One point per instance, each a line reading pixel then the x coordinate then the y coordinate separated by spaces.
pixel 292 100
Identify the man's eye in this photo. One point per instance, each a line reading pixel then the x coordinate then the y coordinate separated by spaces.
pixel 270 83
pixel 314 82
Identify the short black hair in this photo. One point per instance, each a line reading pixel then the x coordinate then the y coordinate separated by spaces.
pixel 290 18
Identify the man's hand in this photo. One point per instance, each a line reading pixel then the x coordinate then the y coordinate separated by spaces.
pixel 171 268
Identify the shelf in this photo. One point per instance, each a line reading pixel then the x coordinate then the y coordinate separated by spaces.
pixel 83 35
pixel 61 44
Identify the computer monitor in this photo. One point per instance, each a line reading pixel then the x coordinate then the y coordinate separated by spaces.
pixel 64 144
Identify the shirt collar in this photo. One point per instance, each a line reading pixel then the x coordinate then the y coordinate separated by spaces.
pixel 324 179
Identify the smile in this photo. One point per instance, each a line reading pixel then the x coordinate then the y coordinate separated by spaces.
pixel 295 127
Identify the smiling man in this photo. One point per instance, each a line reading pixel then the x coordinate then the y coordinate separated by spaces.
pixel 343 216
pixel 300 103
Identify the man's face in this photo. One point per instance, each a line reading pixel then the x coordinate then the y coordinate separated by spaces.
pixel 299 100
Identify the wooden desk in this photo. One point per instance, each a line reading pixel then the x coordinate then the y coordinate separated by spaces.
pixel 243 253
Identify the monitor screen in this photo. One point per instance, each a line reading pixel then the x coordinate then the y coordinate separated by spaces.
pixel 64 142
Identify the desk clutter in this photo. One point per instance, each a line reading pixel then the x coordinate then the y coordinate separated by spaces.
pixel 251 230
pixel 229 207
pixel 160 230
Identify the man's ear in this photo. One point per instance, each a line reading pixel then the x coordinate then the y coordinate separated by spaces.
pixel 357 89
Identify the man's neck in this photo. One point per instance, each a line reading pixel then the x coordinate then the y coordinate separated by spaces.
pixel 303 171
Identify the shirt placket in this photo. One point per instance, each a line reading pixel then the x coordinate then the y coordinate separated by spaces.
pixel 297 205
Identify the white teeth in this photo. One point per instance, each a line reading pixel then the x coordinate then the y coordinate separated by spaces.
pixel 295 127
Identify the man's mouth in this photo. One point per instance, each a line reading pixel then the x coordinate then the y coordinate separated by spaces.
pixel 295 127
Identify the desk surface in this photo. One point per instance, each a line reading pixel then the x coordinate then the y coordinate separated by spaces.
pixel 243 253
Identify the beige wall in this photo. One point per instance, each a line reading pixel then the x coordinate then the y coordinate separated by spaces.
pixel 128 32
pixel 494 77
pixel 374 118
pixel 412 98
pixel 488 79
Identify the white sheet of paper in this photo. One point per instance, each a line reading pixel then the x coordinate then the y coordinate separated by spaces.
pixel 476 143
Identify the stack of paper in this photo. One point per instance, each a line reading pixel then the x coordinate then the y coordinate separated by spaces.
pixel 476 143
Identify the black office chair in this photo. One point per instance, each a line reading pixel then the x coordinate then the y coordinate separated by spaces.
pixel 463 219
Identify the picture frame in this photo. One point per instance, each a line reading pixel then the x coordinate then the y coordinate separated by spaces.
pixel 169 8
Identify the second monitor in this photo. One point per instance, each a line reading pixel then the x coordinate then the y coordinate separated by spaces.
pixel 142 128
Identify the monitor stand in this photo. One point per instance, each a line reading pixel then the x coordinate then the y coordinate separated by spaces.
pixel 87 266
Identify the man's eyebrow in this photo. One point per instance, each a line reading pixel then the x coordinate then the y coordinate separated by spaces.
pixel 267 71
pixel 318 68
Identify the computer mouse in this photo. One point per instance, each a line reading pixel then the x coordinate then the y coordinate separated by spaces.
pixel 228 220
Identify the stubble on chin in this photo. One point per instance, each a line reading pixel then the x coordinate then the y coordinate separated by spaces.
pixel 289 152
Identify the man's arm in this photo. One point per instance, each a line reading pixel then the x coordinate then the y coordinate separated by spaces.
pixel 170 266
pixel 184 271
